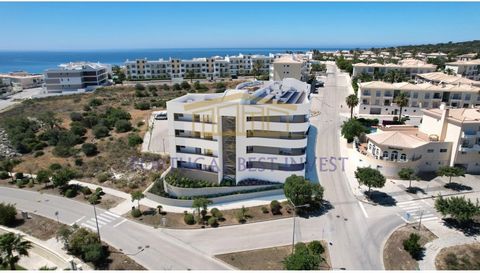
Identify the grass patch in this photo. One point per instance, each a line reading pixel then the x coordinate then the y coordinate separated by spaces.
pixel 461 257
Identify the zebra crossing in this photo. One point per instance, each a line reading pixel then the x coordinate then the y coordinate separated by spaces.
pixel 102 218
pixel 414 210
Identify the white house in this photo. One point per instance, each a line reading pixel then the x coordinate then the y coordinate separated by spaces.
pixel 79 76
pixel 468 69
pixel 410 67
pixel 256 131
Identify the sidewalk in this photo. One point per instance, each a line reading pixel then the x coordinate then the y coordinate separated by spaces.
pixel 45 253
pixel 446 238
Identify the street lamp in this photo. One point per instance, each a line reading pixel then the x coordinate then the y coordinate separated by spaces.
pixel 93 199
pixel 294 215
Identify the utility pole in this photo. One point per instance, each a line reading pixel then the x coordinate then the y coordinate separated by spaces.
pixel 294 216
pixel 420 222
pixel 96 222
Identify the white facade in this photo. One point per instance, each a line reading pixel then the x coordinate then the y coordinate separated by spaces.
pixel 378 97
pixel 81 76
pixel 256 131
pixel 23 79
pixel 410 67
pixel 468 69
pixel 289 66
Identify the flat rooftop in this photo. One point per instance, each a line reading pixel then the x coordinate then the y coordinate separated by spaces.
pixel 406 86
pixel 406 63
pixel 471 62
pixel 457 114
pixel 448 79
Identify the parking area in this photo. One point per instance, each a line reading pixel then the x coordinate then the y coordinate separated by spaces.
pixel 156 138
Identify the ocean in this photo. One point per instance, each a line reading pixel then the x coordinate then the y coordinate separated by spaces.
pixel 38 61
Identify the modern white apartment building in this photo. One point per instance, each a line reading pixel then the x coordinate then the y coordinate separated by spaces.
pixel 410 67
pixel 468 69
pixel 289 66
pixel 378 97
pixel 23 79
pixel 446 137
pixel 207 68
pixel 256 131
pixel 443 78
pixel 79 76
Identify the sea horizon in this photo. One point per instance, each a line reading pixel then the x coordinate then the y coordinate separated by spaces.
pixel 37 61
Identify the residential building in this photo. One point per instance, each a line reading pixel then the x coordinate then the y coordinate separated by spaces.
pixel 79 76
pixel 377 97
pixel 443 78
pixel 468 69
pixel 435 55
pixel 24 80
pixel 446 137
pixel 289 66
pixel 256 131
pixel 466 57
pixel 410 67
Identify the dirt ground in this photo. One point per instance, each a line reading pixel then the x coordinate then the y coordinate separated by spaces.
pixel 120 261
pixel 266 258
pixel 176 221
pixel 106 202
pixel 395 257
pixel 461 257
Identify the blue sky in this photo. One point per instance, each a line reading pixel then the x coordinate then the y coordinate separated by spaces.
pixel 77 26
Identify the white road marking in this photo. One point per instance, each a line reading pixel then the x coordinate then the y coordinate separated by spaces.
pixel 89 226
pixel 123 221
pixel 112 214
pixel 363 209
pixel 92 221
pixel 102 217
pixel 78 220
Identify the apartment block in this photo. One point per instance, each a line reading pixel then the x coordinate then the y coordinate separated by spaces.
pixel 443 78
pixel 23 79
pixel 410 67
pixel 256 131
pixel 79 76
pixel 468 69
pixel 378 97
pixel 289 66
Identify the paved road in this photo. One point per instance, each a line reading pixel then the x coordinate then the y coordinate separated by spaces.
pixel 162 252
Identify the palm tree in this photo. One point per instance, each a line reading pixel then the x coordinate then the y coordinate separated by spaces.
pixel 402 101
pixel 257 66
pixel 11 244
pixel 190 75
pixel 352 102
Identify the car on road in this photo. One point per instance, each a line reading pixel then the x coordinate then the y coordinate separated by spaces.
pixel 319 84
pixel 161 115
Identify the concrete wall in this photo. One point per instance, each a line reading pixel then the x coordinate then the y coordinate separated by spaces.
pixel 178 191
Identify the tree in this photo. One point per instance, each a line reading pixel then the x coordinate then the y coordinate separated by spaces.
pixel 185 85
pixel 298 190
pixel 200 204
pixel 370 177
pixel 412 245
pixel 134 140
pixel 302 259
pixel 275 207
pixel 450 172
pixel 402 101
pixel 8 213
pixel 61 177
pixel 137 196
pixel 100 131
pixel 407 174
pixel 257 68
pixel 190 75
pixel 8 165
pixel 89 149
pixel 459 208
pixel 43 176
pixel 352 102
pixel 352 128
pixel 122 126
pixel 12 247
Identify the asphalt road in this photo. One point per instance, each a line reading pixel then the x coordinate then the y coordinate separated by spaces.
pixel 356 238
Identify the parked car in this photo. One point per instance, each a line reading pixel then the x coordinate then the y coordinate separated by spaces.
pixel 319 84
pixel 161 116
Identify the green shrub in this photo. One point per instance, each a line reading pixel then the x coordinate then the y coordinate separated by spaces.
pixel 412 245
pixel 70 193
pixel 75 116
pixel 89 149
pixel 4 175
pixel 139 86
pixel 55 166
pixel 7 214
pixel 189 219
pixel 102 177
pixel 216 213
pixel 136 213
pixel 315 247
pixel 264 209
pixel 213 221
pixel 86 191
pixel 95 102
pixel 19 175
pixel 142 105
pixel 140 123
pixel 78 162
pixel 100 131
pixel 122 126
pixel 134 140
pixel 21 183
pixel 275 207
pixel 38 153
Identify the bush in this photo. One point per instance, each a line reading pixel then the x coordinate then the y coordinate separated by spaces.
pixel 78 162
pixel 86 191
pixel 216 213
pixel 100 131
pixel 21 183
pixel 412 245
pixel 55 166
pixel 142 105
pixel 7 214
pixel 4 175
pixel 140 123
pixel 75 116
pixel 62 151
pixel 275 207
pixel 213 221
pixel 78 130
pixel 70 193
pixel 136 213
pixel 38 153
pixel 122 126
pixel 185 85
pixel 189 219
pixel 134 140
pixel 316 247
pixel 89 149
pixel 94 253
pixel 19 175
pixel 264 209
pixel 102 177
pixel 95 102
pixel 139 86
